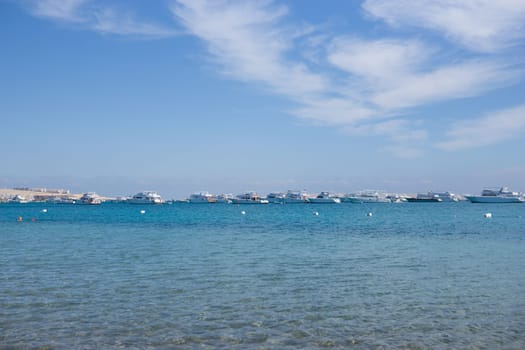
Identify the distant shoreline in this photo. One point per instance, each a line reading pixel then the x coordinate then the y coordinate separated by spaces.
pixel 6 193
pixel 9 192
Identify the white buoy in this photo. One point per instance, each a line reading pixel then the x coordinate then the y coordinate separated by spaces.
pixel 369 214
pixel 243 212
pixel 143 212
pixel 488 215
pixel 44 210
pixel 316 213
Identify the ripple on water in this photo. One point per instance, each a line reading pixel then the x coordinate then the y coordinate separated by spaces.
pixel 410 277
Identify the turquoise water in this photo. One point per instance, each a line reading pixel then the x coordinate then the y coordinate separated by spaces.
pixel 411 276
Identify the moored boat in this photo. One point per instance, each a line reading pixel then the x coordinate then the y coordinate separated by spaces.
pixel 90 198
pixel 325 198
pixel 276 197
pixel 19 199
pixel 224 198
pixel 295 197
pixel 366 197
pixel 502 195
pixel 424 197
pixel 61 200
pixel 249 198
pixel 146 197
pixel 444 196
pixel 202 197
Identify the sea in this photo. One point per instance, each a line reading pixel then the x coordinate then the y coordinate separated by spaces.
pixel 304 276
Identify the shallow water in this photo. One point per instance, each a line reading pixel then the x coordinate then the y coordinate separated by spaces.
pixel 411 276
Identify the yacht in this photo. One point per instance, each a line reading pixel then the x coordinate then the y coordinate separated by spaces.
pixel 276 197
pixel 61 200
pixel 146 197
pixel 367 197
pixel 424 197
pixel 396 198
pixel 90 198
pixel 202 197
pixel 293 197
pixel 325 198
pixel 249 198
pixel 502 195
pixel 18 199
pixel 224 198
pixel 445 196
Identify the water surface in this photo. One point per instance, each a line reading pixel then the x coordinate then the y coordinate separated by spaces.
pixel 411 276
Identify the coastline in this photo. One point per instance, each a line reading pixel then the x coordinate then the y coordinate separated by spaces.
pixel 30 193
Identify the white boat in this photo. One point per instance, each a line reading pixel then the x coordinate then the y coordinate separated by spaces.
pixel 367 196
pixel 19 199
pixel 249 198
pixel 61 200
pixel 502 195
pixel 146 197
pixel 325 198
pixel 296 197
pixel 202 197
pixel 276 197
pixel 224 198
pixel 445 196
pixel 425 197
pixel 396 198
pixel 90 198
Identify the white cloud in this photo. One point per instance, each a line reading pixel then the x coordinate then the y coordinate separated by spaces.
pixel 493 128
pixel 396 74
pixel 480 25
pixel 98 17
pixel 405 136
pixel 466 79
pixel 108 21
pixel 380 61
pixel 375 79
pixel 364 86
pixel 64 10
pixel 333 111
pixel 399 130
pixel 246 39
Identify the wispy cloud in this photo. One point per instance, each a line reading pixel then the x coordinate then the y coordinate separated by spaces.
pixel 380 62
pixel 63 10
pixel 493 128
pixel 112 22
pixel 480 25
pixel 374 80
pixel 405 136
pixel 334 111
pixel 99 17
pixel 363 86
pixel 396 74
pixel 246 39
pixel 447 82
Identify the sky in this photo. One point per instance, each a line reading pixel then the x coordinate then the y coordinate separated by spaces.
pixel 181 96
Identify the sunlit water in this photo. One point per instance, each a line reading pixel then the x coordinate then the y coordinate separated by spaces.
pixel 411 276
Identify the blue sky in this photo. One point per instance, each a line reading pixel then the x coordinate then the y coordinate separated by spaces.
pixel 227 96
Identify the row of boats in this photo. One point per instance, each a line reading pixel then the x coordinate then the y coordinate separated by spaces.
pixel 501 195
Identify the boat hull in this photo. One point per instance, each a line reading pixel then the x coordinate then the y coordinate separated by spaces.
pixel 202 200
pixel 367 200
pixel 249 201
pixel 424 200
pixel 142 201
pixel 325 200
pixel 494 199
